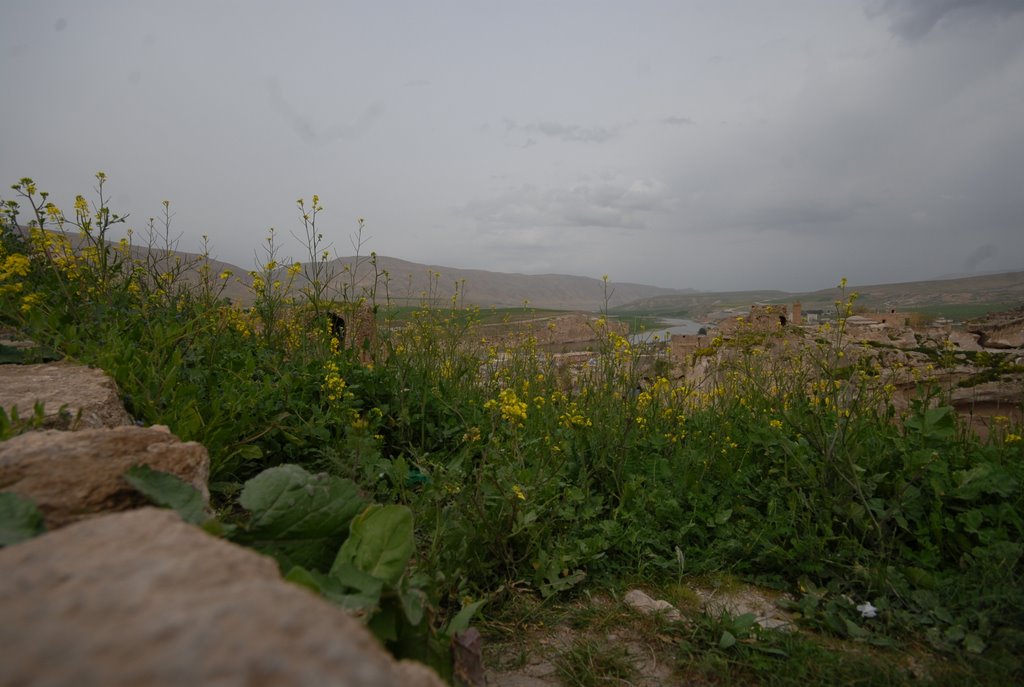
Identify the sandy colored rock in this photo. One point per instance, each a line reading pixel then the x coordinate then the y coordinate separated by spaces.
pixel 75 475
pixel 78 388
pixel 639 600
pixel 141 598
pixel 1008 392
pixel 743 599
pixel 1000 330
pixel 964 341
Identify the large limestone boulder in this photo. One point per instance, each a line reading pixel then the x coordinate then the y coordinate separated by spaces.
pixel 965 341
pixel 75 475
pixel 88 395
pixel 1000 330
pixel 141 598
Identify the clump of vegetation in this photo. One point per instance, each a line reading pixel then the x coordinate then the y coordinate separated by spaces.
pixel 787 465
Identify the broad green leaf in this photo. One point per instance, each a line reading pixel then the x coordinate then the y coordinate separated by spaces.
pixel 380 542
pixel 974 644
pixel 854 630
pixel 742 623
pixel 413 601
pixel 554 582
pixel 919 577
pixel 20 519
pixel 168 491
pixel 984 478
pixel 249 452
pixel 363 599
pixel 461 620
pixel 298 518
pixel 727 640
pixel 354 578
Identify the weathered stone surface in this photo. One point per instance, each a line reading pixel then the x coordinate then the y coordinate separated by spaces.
pixel 75 475
pixel 1000 330
pixel 645 604
pixel 763 605
pixel 81 389
pixel 141 598
pixel 1008 391
pixel 965 341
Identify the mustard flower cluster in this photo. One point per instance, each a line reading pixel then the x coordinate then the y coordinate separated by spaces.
pixel 333 385
pixel 513 409
pixel 13 268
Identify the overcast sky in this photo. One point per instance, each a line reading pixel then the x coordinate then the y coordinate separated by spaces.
pixel 710 144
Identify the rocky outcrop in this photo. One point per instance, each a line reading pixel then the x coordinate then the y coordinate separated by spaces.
pixel 639 600
pixel 964 341
pixel 743 599
pixel 75 475
pixel 88 396
pixel 735 601
pixel 1007 392
pixel 141 598
pixel 1000 330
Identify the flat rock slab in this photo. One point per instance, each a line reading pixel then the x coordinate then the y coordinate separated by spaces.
pixel 762 604
pixel 75 475
pixel 89 396
pixel 141 598
pixel 639 600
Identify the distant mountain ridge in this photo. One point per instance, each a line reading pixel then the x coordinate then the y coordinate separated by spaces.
pixel 409 281
pixel 1004 287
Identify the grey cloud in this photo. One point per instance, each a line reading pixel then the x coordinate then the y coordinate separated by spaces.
pixel 309 133
pixel 676 121
pixel 802 214
pixel 978 256
pixel 614 205
pixel 777 209
pixel 915 19
pixel 566 132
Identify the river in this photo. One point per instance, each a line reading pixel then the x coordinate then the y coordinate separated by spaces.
pixel 667 327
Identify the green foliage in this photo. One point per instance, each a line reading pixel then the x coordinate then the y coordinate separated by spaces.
pixel 20 519
pixel 26 356
pixel 380 543
pixel 168 491
pixel 13 424
pixel 492 467
pixel 298 518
